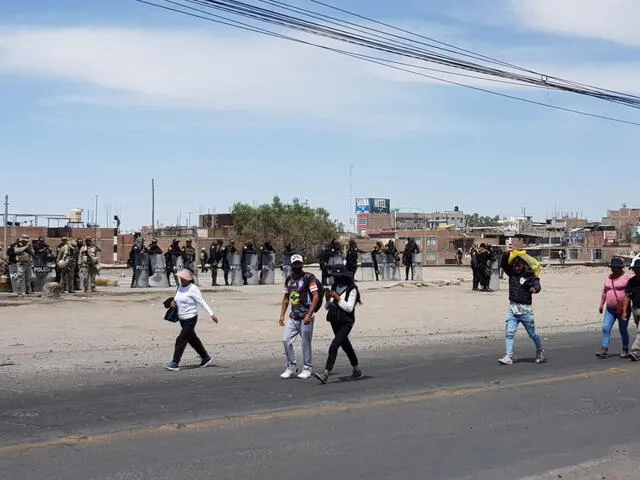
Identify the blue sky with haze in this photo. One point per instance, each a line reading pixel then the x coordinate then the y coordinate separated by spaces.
pixel 99 97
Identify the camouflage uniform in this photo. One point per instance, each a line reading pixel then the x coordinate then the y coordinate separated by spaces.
pixel 89 260
pixel 64 264
pixel 24 253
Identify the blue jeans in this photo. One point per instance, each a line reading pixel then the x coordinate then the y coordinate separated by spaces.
pixel 607 325
pixel 511 327
pixel 292 329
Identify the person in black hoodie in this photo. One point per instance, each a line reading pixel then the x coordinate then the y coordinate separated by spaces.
pixel 341 301
pixel 523 284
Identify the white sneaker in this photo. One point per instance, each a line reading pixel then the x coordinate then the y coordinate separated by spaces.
pixel 289 372
pixel 305 373
pixel 506 360
pixel 540 358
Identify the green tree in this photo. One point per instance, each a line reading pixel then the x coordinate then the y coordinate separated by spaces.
pixel 476 220
pixel 306 229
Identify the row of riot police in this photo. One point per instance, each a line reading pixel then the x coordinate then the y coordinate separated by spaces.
pixel 383 261
pixel 152 268
pixel 30 264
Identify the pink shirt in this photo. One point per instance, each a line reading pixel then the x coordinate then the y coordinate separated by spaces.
pixel 611 297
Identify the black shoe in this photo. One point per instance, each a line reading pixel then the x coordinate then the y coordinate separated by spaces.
pixel 633 357
pixel 323 377
pixel 355 375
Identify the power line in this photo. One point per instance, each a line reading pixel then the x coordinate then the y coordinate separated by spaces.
pixel 372 41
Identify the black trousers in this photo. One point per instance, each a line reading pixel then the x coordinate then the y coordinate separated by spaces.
pixel 341 339
pixel 476 277
pixel 226 275
pixel 214 274
pixel 188 336
pixel 408 268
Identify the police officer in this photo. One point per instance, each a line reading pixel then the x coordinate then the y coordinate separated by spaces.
pixel 189 256
pixel 352 256
pixel 410 249
pixel 89 260
pixel 215 257
pixel 78 245
pixel 264 259
pixel 247 252
pixel 23 257
pixel 154 249
pixel 377 250
pixel 64 262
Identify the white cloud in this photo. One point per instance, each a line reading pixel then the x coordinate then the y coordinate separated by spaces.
pixel 264 78
pixel 198 70
pixel 612 20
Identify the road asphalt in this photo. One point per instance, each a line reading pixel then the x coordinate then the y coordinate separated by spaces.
pixel 446 411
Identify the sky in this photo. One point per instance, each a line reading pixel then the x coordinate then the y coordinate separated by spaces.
pixel 100 97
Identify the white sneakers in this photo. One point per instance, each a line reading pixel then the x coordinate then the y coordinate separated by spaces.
pixel 506 360
pixel 292 370
pixel 289 372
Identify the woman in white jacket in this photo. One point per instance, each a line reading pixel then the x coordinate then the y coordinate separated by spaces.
pixel 341 301
pixel 187 299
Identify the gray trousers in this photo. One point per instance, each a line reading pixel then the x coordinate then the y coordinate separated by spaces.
pixel 293 328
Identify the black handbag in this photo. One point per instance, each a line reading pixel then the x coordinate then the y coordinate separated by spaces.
pixel 171 315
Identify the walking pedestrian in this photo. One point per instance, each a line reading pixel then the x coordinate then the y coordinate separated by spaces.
pixel 302 293
pixel 187 299
pixel 612 307
pixel 523 284
pixel 632 304
pixel 340 304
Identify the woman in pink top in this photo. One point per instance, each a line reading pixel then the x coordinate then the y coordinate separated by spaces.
pixel 611 303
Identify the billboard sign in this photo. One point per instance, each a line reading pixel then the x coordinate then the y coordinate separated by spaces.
pixel 373 205
pixel 362 205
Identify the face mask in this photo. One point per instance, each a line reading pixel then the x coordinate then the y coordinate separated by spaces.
pixel 297 270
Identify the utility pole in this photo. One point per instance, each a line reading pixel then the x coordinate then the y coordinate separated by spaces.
pixel 96 219
pixel 6 221
pixel 351 205
pixel 153 208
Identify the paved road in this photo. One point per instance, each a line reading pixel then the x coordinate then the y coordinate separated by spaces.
pixel 449 412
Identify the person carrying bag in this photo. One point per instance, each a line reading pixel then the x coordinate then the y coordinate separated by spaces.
pixel 341 301
pixel 185 305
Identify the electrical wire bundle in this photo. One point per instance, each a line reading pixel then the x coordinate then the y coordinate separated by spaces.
pixel 387 45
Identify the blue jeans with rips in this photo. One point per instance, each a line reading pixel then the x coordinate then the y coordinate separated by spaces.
pixel 608 320
pixel 527 321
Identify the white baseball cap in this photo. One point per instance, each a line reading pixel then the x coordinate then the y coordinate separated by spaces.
pixel 296 258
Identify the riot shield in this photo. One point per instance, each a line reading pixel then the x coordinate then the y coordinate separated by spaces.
pixel 158 272
pixel 41 271
pixel 335 259
pixel 142 270
pixel 16 276
pixel 235 269
pixel 393 269
pixel 286 264
pixel 382 266
pixel 365 273
pixel 268 269
pixel 251 270
pixel 416 266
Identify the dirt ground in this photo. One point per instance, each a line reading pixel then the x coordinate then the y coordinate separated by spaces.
pixel 120 329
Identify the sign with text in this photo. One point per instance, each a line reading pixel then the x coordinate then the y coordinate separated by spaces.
pixel 373 205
